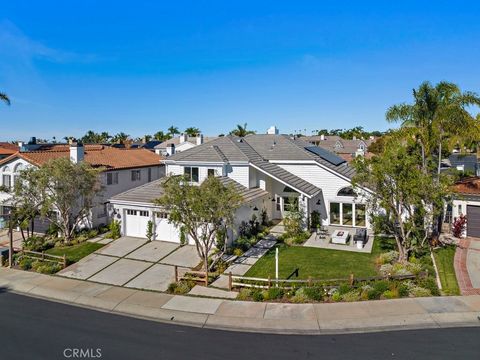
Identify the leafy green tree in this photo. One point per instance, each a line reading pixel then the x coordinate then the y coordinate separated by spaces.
pixel 201 210
pixel 405 199
pixel 192 131
pixel 173 130
pixel 4 98
pixel 65 191
pixel 241 131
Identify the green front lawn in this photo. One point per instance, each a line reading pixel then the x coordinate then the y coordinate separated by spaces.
pixel 74 252
pixel 444 260
pixel 319 263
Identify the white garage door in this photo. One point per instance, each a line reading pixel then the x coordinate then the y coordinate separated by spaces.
pixel 164 230
pixel 136 223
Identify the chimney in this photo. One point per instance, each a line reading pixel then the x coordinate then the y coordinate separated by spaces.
pixel 170 149
pixel 199 139
pixel 354 137
pixel 272 130
pixel 183 138
pixel 77 153
pixel 322 137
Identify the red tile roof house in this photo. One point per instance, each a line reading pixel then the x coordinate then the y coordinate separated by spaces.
pixel 124 169
pixel 7 149
pixel 466 201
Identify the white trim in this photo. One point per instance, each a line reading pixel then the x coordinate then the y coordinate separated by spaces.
pixel 283 182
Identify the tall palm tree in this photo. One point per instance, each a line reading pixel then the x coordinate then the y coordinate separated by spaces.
pixel 4 98
pixel 173 130
pixel 241 131
pixel 438 113
pixel 192 131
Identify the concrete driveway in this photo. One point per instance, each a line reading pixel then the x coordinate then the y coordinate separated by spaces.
pixel 135 263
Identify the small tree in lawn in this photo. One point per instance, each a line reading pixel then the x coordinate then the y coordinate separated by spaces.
pixel 149 234
pixel 27 200
pixel 68 192
pixel 202 210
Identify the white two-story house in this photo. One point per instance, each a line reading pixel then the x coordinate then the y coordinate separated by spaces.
pixel 123 169
pixel 285 172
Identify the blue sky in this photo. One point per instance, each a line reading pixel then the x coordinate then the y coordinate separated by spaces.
pixel 142 66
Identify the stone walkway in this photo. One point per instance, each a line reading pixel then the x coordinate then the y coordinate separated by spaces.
pixel 467 266
pixel 321 318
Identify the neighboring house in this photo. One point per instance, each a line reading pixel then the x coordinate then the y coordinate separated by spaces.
pixel 7 149
pixel 124 169
pixel 466 201
pixel 284 173
pixel 180 143
pixel 467 164
pixel 346 149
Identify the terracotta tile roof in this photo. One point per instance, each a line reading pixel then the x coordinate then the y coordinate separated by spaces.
pixel 7 148
pixel 96 155
pixel 468 186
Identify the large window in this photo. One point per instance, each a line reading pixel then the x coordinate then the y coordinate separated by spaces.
pixel 360 215
pixel 347 214
pixel 191 173
pixel 335 213
pixel 210 172
pixel 112 178
pixel 136 175
pixel 6 181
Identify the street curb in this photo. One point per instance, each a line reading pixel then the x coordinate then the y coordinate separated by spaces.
pixel 448 312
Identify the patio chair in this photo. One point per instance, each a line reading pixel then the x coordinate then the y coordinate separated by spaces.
pixel 360 236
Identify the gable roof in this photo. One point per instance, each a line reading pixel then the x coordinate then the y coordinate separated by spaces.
pixel 147 193
pixel 96 155
pixel 337 144
pixel 7 148
pixel 467 186
pixel 176 141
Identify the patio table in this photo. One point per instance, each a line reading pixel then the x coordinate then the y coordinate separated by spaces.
pixel 340 237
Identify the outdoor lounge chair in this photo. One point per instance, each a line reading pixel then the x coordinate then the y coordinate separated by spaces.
pixel 360 236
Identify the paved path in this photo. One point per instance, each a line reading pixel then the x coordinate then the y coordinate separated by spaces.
pixel 119 337
pixel 434 312
pixel 467 266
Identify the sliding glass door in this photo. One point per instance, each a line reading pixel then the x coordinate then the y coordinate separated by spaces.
pixel 348 214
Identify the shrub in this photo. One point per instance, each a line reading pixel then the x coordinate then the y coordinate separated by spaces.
pixel 387 257
pixel 336 296
pixel 377 289
pixel 344 288
pixel 244 294
pixel 48 268
pixel 414 268
pixel 37 243
pixel 114 227
pixel 431 285
pixel 237 252
pixel 180 287
pixel 294 221
pixel 402 290
pixel 92 233
pixel 149 233
pixel 390 294
pixel 417 291
pixel 350 296
pixel 300 296
pixel 386 269
pixel 25 263
pixel 315 220
pixel 257 295
pixel 274 293
pixel 314 293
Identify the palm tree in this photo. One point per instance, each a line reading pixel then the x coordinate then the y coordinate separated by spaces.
pixel 192 131
pixel 161 136
pixel 438 113
pixel 173 130
pixel 241 131
pixel 119 138
pixel 4 98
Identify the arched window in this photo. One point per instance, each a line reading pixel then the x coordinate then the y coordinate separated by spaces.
pixel 18 168
pixel 6 169
pixel 346 191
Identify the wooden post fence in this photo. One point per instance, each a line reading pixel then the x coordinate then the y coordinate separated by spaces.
pixel 64 261
pixel 351 279
pixel 230 281
pixel 176 273
pixel 269 281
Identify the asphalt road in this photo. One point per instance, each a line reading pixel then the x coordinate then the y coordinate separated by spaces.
pixel 38 329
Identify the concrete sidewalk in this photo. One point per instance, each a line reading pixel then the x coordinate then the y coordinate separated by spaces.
pixel 250 316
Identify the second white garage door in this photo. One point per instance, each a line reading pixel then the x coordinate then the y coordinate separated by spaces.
pixel 165 231
pixel 136 223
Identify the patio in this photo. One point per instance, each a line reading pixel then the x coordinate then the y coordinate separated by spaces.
pixel 325 241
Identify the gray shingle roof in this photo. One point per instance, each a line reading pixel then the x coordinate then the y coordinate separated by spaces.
pixel 146 194
pixel 259 150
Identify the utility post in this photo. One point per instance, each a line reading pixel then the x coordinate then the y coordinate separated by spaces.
pixel 10 234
